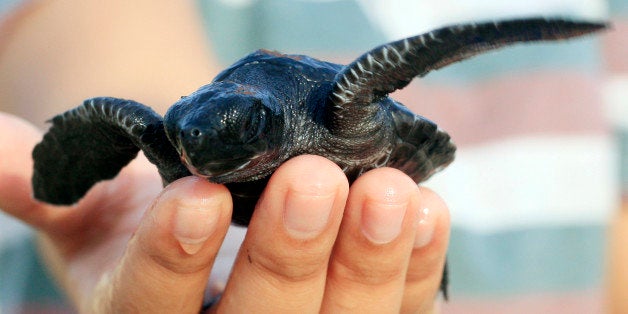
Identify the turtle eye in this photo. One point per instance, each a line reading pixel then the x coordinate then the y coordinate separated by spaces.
pixel 253 125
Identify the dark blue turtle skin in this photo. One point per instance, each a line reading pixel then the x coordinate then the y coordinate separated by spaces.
pixel 260 112
pixel 269 107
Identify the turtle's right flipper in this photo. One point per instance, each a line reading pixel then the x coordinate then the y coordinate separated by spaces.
pixel 93 142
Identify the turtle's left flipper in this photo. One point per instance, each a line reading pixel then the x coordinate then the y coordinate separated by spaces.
pixel 93 142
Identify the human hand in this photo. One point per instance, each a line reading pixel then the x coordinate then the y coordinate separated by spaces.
pixel 313 244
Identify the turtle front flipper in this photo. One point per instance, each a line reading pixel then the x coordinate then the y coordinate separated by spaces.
pixel 93 142
pixel 392 66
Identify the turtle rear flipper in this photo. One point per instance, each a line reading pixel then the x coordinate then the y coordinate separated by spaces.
pixel 93 142
pixel 422 149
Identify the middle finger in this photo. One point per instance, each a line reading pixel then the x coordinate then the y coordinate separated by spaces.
pixel 368 267
pixel 282 263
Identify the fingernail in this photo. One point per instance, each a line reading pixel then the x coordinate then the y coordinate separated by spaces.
pixel 306 214
pixel 193 226
pixel 381 223
pixel 426 223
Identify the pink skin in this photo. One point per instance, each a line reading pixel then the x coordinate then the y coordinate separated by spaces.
pixel 314 245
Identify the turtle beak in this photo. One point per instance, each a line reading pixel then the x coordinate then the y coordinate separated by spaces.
pixel 177 143
pixel 184 157
pixel 186 161
pixel 187 138
pixel 179 147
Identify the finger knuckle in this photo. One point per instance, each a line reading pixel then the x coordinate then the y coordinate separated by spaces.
pixel 288 268
pixel 367 273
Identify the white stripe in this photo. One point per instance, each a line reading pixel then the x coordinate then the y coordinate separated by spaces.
pixel 531 182
pixel 402 18
pixel 615 94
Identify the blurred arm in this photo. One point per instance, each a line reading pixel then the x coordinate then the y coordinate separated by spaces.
pixel 54 54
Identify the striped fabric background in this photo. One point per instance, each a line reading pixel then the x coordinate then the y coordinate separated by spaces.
pixel 536 176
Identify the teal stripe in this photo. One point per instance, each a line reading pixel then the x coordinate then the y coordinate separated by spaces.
pixel 582 55
pixel 8 5
pixel 618 7
pixel 622 137
pixel 309 26
pixel 230 30
pixel 534 260
pixel 301 27
pixel 340 28
pixel 23 278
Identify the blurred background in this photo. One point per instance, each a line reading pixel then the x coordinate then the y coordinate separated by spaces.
pixel 542 129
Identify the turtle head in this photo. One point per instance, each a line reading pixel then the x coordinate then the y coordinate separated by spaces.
pixel 226 132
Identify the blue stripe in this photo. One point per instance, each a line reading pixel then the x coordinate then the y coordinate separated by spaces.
pixel 582 55
pixel 534 260
pixel 8 5
pixel 23 277
pixel 301 27
pixel 341 28
pixel 618 7
pixel 622 138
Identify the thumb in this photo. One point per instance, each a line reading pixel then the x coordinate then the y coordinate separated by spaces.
pixel 168 260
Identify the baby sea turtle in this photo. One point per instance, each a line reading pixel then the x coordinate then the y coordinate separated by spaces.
pixel 269 107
